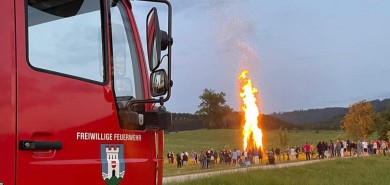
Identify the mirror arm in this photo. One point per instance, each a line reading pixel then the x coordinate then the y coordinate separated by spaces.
pixel 130 103
pixel 162 58
pixel 114 3
pixel 161 101
pixel 169 48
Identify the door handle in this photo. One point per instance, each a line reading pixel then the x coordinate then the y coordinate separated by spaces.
pixel 40 145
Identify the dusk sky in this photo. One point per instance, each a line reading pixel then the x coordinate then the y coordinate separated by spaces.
pixel 300 54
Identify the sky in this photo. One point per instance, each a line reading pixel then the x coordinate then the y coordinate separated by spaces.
pixel 300 54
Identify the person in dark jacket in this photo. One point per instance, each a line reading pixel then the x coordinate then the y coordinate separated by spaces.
pixel 324 147
pixel 178 159
pixel 277 152
pixel 319 149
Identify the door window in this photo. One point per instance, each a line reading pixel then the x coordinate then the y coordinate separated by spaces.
pixel 66 38
pixel 127 79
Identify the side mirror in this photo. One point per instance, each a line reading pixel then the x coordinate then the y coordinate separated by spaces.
pixel 159 83
pixel 153 39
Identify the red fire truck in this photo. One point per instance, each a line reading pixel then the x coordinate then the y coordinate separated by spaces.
pixel 78 103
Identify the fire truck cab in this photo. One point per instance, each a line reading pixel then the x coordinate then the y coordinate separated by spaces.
pixel 79 104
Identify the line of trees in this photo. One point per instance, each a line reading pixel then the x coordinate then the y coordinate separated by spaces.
pixel 360 122
pixel 215 113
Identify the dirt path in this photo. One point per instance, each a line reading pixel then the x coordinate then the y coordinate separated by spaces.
pixel 182 178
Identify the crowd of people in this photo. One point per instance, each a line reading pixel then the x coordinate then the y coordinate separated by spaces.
pixel 208 158
pixel 342 148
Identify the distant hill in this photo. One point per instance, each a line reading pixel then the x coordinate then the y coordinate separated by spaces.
pixel 326 118
pixel 270 122
pixel 302 117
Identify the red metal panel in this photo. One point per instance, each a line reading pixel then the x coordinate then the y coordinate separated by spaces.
pixel 158 162
pixel 8 91
pixel 56 108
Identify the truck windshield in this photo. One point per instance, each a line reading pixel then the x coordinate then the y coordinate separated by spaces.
pixel 127 76
pixel 65 38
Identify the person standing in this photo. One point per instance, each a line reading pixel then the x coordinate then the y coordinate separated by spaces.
pixel 370 146
pixel 383 147
pixel 277 152
pixel 172 157
pixel 374 146
pixel 378 143
pixel 193 155
pixel 169 157
pixel 338 148
pixel 345 144
pixel 353 149
pixel 297 150
pixel 234 157
pixel 250 155
pixel 287 151
pixel 221 157
pixel 256 156
pixel 319 150
pixel 331 149
pixel 239 154
pixel 312 150
pixel 326 151
pixel 185 158
pixel 306 149
pixel 178 159
pixel 228 157
pixel 245 155
pixel 202 158
pixel 359 148
pixel 212 160
pixel 292 153
pixel 365 148
pixel 216 156
pixel 208 158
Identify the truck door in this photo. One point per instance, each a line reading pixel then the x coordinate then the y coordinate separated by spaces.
pixel 67 121
pixel 7 94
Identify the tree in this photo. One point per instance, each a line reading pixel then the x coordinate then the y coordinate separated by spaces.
pixel 283 137
pixel 388 135
pixel 231 120
pixel 359 122
pixel 213 107
pixel 383 124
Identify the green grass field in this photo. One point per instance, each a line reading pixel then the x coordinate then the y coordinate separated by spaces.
pixel 230 138
pixel 345 171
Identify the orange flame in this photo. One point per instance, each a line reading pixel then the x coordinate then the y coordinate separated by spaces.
pixel 252 112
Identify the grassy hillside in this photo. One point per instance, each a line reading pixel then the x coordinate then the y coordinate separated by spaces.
pixel 351 171
pixel 232 138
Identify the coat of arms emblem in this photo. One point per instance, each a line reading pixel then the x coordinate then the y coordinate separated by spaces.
pixel 113 166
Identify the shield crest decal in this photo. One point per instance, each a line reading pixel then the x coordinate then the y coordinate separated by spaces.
pixel 113 166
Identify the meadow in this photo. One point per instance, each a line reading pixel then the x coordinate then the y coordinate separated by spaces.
pixel 229 139
pixel 342 171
